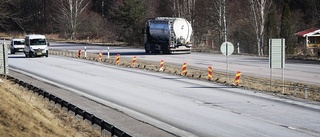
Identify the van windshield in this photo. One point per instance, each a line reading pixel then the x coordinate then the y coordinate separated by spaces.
pixel 37 41
pixel 18 42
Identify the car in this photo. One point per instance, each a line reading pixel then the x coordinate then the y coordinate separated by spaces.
pixel 17 45
pixel 36 45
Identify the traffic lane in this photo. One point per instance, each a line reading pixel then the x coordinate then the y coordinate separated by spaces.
pixel 200 59
pixel 250 66
pixel 128 88
pixel 295 71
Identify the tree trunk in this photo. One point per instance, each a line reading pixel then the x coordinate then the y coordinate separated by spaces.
pixel 224 20
pixel 258 10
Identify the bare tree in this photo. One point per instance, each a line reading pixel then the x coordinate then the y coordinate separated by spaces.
pixel 317 7
pixel 4 14
pixel 94 26
pixel 211 25
pixel 219 7
pixel 8 15
pixel 259 8
pixel 184 8
pixel 69 15
pixel 223 15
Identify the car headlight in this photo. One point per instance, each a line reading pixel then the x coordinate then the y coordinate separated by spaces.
pixel 31 49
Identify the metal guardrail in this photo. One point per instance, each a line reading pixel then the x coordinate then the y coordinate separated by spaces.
pixel 70 107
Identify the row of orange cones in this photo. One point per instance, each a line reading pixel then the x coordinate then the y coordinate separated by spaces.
pixel 161 67
pixel 210 76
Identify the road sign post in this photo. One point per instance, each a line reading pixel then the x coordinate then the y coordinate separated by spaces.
pixel 227 49
pixel 4 67
pixel 277 58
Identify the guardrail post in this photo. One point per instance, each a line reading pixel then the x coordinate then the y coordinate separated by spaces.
pixel 295 91
pixel 85 52
pixel 305 92
pixel 78 112
pixel 108 53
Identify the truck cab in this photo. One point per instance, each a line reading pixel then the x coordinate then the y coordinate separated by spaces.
pixel 36 45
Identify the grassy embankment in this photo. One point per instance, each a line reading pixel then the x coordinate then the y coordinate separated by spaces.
pixel 24 114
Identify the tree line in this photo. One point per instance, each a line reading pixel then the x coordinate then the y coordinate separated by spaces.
pixel 247 23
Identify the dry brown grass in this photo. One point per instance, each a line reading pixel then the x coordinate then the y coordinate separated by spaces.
pixel 24 114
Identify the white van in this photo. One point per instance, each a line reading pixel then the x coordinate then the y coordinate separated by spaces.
pixel 36 45
pixel 17 45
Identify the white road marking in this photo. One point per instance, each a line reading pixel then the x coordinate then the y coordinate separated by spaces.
pixel 199 102
pixel 166 94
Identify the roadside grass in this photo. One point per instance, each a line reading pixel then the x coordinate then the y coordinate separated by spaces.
pixel 24 114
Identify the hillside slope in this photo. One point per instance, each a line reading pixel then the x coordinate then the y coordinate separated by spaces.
pixel 24 114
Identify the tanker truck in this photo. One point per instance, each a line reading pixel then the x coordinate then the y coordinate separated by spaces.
pixel 167 35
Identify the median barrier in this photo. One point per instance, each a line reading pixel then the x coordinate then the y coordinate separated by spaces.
pixel 184 69
pixel 99 56
pixel 161 65
pixel 237 78
pixel 209 73
pixel 79 53
pixel 133 61
pixel 118 59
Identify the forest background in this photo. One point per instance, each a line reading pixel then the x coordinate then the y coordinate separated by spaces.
pixel 247 23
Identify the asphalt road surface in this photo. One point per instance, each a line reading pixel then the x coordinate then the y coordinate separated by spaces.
pixel 295 70
pixel 196 107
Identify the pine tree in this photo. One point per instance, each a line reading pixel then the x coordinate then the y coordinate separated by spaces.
pixel 271 25
pixel 128 15
pixel 286 30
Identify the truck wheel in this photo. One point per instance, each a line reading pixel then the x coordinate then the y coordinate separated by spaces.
pixel 152 48
pixel 31 55
pixel 12 51
pixel 148 47
pixel 165 49
pixel 147 51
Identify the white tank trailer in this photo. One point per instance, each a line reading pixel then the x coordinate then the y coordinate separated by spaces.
pixel 167 35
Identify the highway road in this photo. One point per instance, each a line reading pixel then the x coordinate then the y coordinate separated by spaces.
pixel 196 107
pixel 295 70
